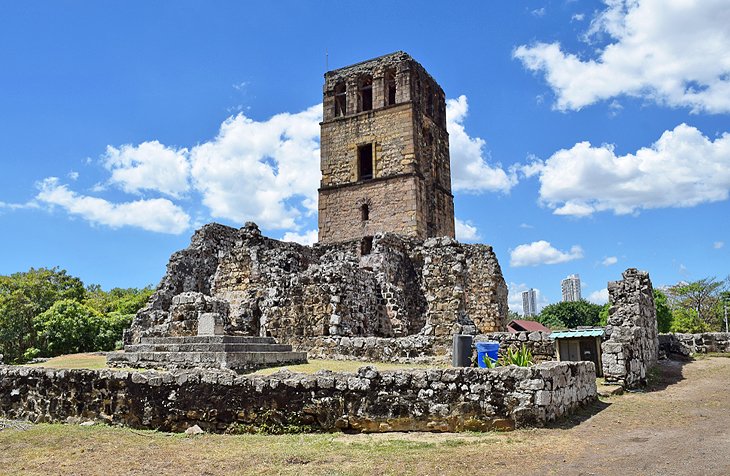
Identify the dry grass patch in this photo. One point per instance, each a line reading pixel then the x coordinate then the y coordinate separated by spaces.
pixel 75 361
pixel 96 361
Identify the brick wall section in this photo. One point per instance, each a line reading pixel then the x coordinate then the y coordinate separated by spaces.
pixel 366 401
pixel 263 287
pixel 689 344
pixel 631 345
pixel 392 206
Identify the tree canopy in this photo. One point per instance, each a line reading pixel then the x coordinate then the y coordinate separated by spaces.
pixel 46 311
pixel 570 314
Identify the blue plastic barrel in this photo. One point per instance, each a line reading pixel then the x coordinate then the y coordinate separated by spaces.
pixel 489 348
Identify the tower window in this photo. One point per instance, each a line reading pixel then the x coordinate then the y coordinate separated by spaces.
pixel 366 245
pixel 366 93
pixel 390 88
pixel 340 99
pixel 365 162
pixel 365 212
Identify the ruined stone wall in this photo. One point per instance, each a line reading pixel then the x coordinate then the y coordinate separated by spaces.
pixel 464 290
pixel 689 344
pixel 631 345
pixel 366 401
pixel 262 287
pixel 417 348
pixel 539 343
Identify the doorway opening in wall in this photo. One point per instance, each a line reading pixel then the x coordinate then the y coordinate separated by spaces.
pixel 366 245
pixel 365 162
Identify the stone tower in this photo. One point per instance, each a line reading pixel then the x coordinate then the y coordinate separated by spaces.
pixel 384 153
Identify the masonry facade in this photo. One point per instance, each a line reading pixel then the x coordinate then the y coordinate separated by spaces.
pixel 384 153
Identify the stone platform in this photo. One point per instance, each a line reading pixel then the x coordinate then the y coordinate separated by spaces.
pixel 238 353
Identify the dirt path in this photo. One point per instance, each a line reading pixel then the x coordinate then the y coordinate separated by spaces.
pixel 680 427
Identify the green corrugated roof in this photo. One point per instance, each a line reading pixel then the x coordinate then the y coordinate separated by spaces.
pixel 577 333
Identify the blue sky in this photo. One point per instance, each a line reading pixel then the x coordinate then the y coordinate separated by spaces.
pixel 586 137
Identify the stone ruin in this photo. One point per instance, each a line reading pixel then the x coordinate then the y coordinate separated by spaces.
pixel 238 283
pixel 386 265
pixel 632 345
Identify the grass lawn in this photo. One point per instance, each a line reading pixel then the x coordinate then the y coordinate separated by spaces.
pixel 74 361
pixel 94 361
pixel 72 449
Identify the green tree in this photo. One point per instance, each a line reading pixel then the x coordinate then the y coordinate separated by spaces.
pixel 111 330
pixel 67 327
pixel 663 311
pixel 25 295
pixel 571 314
pixel 118 300
pixel 687 321
pixel 701 297
pixel 603 315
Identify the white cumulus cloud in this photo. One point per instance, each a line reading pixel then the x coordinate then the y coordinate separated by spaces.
pixel 470 170
pixel 599 297
pixel 609 260
pixel 718 244
pixel 671 52
pixel 308 238
pixel 542 252
pixel 265 171
pixel 158 214
pixel 148 166
pixel 682 169
pixel 466 231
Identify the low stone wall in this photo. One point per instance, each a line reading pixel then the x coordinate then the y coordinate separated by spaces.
pixel 688 344
pixel 367 401
pixel 410 349
pixel 539 343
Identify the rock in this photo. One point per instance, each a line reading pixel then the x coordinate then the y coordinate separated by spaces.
pixel 194 430
pixel 87 423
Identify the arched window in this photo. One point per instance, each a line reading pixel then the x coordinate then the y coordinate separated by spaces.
pixel 365 93
pixel 340 99
pixel 364 212
pixel 390 88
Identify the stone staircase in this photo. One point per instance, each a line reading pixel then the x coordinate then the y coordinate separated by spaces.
pixel 239 353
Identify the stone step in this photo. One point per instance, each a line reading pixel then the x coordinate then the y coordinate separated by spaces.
pixel 199 347
pixel 229 360
pixel 208 340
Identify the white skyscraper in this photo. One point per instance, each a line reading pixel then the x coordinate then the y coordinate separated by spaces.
pixel 571 288
pixel 529 303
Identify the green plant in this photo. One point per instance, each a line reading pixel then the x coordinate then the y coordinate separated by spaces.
pixel 489 362
pixel 521 357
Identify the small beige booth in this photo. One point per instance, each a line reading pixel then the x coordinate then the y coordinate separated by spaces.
pixel 580 345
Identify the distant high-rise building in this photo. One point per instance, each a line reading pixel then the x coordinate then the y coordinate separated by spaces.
pixel 529 303
pixel 571 288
